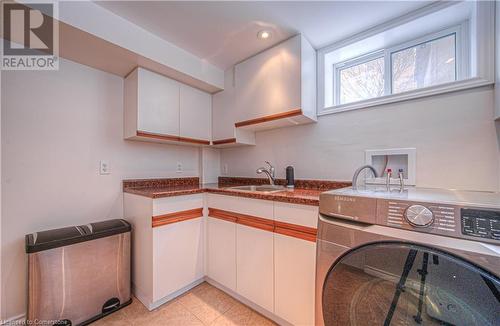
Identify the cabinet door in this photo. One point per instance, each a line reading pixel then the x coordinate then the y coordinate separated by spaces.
pixel 254 266
pixel 178 257
pixel 295 261
pixel 195 113
pixel 223 109
pixel 157 104
pixel 221 252
pixel 269 82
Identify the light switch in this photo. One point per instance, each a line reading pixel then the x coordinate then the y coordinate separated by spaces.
pixel 179 167
pixel 104 167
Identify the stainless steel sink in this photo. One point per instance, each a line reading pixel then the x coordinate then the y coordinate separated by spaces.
pixel 260 188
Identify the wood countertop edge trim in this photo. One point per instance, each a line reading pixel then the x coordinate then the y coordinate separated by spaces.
pixel 224 141
pixel 267 118
pixel 176 217
pixel 288 229
pixel 146 134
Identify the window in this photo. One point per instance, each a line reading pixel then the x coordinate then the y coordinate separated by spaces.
pixel 423 65
pixel 361 81
pixel 446 46
pixel 424 62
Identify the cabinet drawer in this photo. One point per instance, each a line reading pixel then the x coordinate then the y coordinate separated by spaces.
pixel 169 205
pixel 304 215
pixel 248 206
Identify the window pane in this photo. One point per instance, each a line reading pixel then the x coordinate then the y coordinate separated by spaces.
pixel 424 65
pixel 362 81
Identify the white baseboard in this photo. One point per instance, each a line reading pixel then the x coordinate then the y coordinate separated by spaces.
pixel 153 305
pixel 259 309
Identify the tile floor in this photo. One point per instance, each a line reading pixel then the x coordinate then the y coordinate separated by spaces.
pixel 202 305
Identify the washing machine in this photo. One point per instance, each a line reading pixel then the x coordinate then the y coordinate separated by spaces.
pixel 412 257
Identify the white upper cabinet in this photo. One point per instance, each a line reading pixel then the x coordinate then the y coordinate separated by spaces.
pixel 269 82
pixel 195 113
pixel 224 113
pixel 159 109
pixel 152 103
pixel 223 109
pixel 277 85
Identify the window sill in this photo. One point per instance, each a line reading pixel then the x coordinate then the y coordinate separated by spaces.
pixel 394 98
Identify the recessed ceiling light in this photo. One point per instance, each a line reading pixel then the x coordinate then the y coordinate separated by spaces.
pixel 264 35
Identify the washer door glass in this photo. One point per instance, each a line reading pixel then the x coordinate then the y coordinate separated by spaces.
pixel 406 284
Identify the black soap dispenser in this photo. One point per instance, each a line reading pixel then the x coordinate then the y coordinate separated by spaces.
pixel 290 181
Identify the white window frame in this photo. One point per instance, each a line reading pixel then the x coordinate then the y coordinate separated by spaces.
pixel 461 60
pixel 461 51
pixel 475 49
pixel 338 67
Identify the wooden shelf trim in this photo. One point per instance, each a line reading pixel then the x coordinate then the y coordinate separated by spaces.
pixel 172 138
pixel 288 229
pixel 224 141
pixel 267 118
pixel 160 220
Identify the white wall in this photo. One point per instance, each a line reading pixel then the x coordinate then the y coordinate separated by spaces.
pixel 497 61
pixel 1 301
pixel 210 165
pixel 455 137
pixel 56 126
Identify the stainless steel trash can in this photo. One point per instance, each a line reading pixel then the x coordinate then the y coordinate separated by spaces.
pixel 78 274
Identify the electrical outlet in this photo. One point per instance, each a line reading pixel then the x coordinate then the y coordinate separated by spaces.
pixel 104 167
pixel 225 169
pixel 179 167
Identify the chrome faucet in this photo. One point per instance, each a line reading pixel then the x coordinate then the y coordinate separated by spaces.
pixel 269 172
pixel 358 171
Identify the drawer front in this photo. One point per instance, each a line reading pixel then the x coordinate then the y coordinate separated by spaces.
pixel 247 206
pixel 303 215
pixel 168 205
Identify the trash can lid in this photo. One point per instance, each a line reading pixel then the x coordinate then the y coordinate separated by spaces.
pixel 55 238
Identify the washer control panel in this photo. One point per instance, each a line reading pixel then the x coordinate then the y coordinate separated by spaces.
pixel 419 215
pixel 480 223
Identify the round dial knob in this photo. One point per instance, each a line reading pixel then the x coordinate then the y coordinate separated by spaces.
pixel 418 215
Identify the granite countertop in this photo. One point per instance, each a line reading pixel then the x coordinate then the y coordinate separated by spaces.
pixel 308 194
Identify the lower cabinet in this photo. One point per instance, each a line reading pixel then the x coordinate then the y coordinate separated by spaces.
pixel 261 250
pixel 177 256
pixel 255 265
pixel 294 279
pixel 168 245
pixel 221 252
